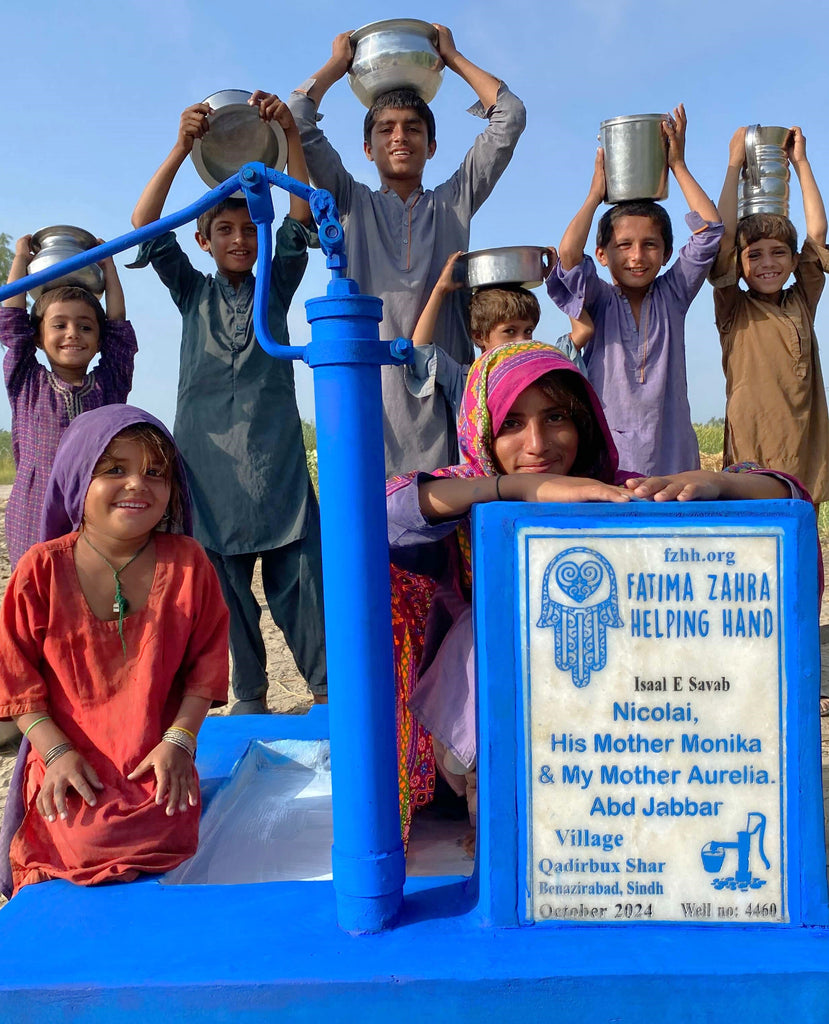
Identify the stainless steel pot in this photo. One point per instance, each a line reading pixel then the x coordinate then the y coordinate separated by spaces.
pixel 635 157
pixel 524 265
pixel 52 245
pixel 400 53
pixel 764 181
pixel 237 136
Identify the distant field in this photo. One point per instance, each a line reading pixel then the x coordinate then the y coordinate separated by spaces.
pixel 709 436
pixel 6 460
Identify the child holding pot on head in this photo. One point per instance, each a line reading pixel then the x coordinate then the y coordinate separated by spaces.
pixel 636 359
pixel 775 411
pixel 237 422
pixel 69 326
pixel 113 644
pixel 498 314
pixel 531 428
pixel 399 236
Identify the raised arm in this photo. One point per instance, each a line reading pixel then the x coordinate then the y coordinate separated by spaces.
pixel 19 268
pixel 695 196
pixel 116 308
pixel 342 52
pixel 727 205
pixel 425 328
pixel 574 240
pixel 813 208
pixel 482 82
pixel 193 125
pixel 271 108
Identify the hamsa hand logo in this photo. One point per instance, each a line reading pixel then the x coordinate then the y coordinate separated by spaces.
pixel 579 600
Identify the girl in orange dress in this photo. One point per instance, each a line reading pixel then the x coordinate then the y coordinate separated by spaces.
pixel 113 645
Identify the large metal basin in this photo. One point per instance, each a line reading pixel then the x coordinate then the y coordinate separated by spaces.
pixel 237 136
pixel 524 265
pixel 400 53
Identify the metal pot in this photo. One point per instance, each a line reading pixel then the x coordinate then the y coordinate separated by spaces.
pixel 635 157
pixel 524 265
pixel 237 136
pixel 400 53
pixel 59 242
pixel 764 181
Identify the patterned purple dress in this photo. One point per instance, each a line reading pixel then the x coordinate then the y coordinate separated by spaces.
pixel 42 407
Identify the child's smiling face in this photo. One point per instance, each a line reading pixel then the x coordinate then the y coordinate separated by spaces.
pixel 232 243
pixel 399 145
pixel 128 493
pixel 635 253
pixel 538 435
pixel 766 266
pixel 69 335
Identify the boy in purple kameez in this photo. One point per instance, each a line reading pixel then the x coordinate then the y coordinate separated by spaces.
pixel 636 360
pixel 70 326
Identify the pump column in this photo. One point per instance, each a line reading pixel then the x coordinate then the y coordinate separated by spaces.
pixel 345 352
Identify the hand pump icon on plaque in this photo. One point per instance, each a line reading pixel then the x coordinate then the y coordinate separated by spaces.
pixel 713 856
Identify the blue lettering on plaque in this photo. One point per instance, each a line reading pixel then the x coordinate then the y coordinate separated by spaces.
pixel 579 600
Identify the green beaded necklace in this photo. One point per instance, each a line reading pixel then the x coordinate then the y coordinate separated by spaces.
pixel 120 604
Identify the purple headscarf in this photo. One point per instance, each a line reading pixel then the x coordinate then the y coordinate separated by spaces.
pixel 83 443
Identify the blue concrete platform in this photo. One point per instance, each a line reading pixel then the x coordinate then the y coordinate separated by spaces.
pixel 273 951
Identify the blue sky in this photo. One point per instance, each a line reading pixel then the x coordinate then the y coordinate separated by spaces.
pixel 93 93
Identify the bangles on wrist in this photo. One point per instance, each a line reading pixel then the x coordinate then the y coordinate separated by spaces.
pixel 55 752
pixel 181 738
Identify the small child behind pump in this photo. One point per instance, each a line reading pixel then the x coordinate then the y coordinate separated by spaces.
pixel 496 315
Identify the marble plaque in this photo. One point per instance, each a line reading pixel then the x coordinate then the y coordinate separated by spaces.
pixel 653 700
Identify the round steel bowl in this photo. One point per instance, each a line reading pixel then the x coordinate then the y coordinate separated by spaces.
pixel 524 265
pixel 237 136
pixel 400 53
pixel 52 245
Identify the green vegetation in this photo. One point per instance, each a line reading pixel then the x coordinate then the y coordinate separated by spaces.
pixel 710 436
pixel 6 459
pixel 6 257
pixel 309 439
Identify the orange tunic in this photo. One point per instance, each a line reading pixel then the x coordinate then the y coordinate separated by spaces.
pixel 55 654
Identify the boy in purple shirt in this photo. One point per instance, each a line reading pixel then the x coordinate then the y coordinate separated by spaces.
pixel 636 360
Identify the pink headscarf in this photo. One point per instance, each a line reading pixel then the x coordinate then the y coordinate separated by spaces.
pixel 495 381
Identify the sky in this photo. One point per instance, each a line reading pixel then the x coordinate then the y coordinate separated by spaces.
pixel 94 91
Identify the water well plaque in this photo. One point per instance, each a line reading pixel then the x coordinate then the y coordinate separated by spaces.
pixel 653 696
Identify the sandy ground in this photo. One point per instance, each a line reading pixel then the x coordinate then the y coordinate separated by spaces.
pixel 288 694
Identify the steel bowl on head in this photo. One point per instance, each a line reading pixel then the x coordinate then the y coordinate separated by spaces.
pixel 59 242
pixel 524 265
pixel 400 53
pixel 237 135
